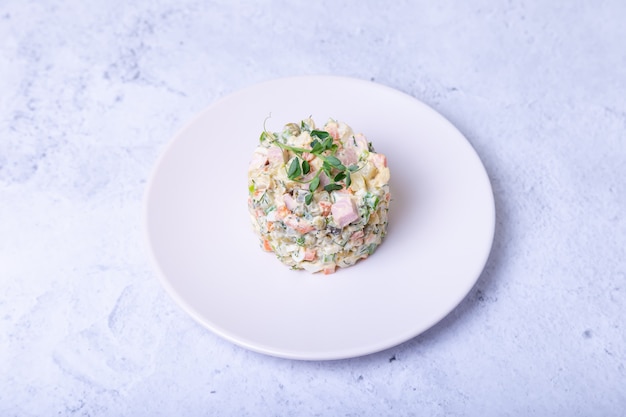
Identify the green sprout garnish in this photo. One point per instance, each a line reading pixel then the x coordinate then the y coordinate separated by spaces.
pixel 322 147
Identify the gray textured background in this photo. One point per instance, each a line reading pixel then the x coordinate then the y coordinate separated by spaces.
pixel 90 93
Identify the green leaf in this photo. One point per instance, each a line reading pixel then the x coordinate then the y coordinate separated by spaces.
pixel 327 168
pixel 328 143
pixel 339 176
pixel 353 168
pixel 348 181
pixel 306 167
pixel 308 199
pixel 321 134
pixel 333 187
pixel 317 148
pixel 314 184
pixel 294 169
pixel 334 161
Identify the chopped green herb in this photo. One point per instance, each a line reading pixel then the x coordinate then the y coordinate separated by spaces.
pixel 371 200
pixel 304 126
pixel 323 148
pixel 333 187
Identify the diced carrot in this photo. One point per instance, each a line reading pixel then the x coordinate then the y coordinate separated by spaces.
pixel 282 212
pixel 357 238
pixel 270 226
pixel 266 245
pixel 299 224
pixel 310 254
pixel 325 207
pixel 329 270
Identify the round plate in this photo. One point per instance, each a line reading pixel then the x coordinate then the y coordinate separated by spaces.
pixel 441 224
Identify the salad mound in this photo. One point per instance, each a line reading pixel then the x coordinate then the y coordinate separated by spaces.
pixel 318 198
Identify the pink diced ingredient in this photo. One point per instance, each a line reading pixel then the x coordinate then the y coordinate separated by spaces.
pixel 325 207
pixel 332 129
pixel 357 238
pixel 348 156
pixel 378 159
pixel 310 254
pixel 343 209
pixel 290 202
pixel 299 224
pixel 275 155
pixel 324 180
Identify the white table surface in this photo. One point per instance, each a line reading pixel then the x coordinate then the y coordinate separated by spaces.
pixel 90 94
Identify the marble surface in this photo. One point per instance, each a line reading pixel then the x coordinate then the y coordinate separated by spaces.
pixel 92 91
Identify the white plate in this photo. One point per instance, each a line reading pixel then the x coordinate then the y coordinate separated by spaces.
pixel 441 224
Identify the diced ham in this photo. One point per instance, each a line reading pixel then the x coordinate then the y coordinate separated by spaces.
pixel 275 155
pixel 331 128
pixel 348 156
pixel 324 180
pixel 343 209
pixel 290 202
